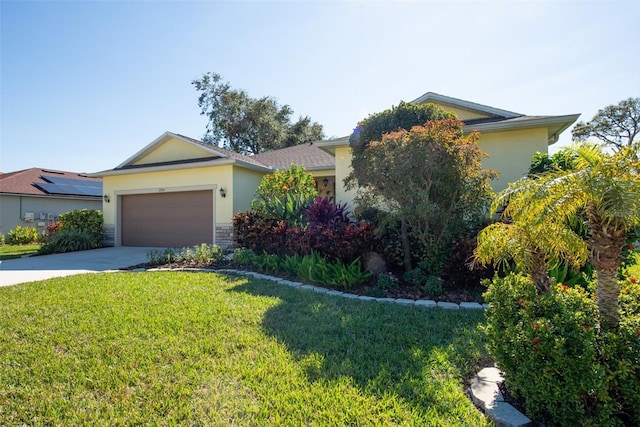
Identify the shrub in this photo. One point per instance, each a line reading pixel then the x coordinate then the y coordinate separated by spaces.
pixel 52 229
pixel 87 221
pixel 556 360
pixel 347 276
pixel 269 263
pixel 160 257
pixel 23 235
pixel 386 281
pixel 283 195
pixel 243 256
pixel 337 241
pixel 2 241
pixel 68 241
pixel 324 212
pixel 458 272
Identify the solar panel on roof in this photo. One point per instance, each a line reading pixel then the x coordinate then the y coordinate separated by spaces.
pixel 70 187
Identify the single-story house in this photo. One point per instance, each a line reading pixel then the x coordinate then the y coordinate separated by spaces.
pixel 509 139
pixel 179 191
pixel 35 197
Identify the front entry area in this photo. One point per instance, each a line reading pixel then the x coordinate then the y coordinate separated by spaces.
pixel 167 219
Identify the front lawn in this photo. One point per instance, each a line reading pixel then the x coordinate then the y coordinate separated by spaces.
pixel 16 251
pixel 178 348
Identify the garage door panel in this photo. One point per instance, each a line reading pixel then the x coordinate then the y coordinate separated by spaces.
pixel 171 219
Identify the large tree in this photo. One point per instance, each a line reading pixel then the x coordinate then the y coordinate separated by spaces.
pixel 603 187
pixel 615 125
pixel 249 125
pixel 414 163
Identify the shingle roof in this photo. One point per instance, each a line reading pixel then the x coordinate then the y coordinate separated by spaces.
pixel 22 181
pixel 307 155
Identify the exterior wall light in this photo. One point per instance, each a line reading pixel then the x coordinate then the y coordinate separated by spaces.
pixel 106 198
pixel 325 182
pixel 223 193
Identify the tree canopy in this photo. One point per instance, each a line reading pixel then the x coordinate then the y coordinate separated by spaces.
pixel 249 125
pixel 414 163
pixel 603 187
pixel 615 125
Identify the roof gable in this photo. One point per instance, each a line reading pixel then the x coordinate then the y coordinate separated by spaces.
pixel 171 147
pixel 465 110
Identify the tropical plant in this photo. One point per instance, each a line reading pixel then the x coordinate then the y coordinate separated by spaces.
pixel 23 235
pixel 285 194
pixel 604 187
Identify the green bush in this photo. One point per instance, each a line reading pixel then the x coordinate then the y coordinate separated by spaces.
pixel 269 263
pixel 68 241
pixel 23 235
pixel 556 360
pixel 160 257
pixel 84 220
pixel 2 241
pixel 284 195
pixel 346 276
pixel 243 256
pixel 428 283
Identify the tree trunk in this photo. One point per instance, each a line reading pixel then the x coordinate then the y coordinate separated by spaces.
pixel 406 245
pixel 607 242
pixel 540 273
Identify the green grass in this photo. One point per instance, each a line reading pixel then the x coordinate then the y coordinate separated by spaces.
pixel 178 348
pixel 16 251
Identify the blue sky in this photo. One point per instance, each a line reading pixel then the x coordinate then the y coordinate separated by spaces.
pixel 84 85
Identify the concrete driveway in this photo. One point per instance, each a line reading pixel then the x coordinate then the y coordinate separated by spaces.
pixel 28 269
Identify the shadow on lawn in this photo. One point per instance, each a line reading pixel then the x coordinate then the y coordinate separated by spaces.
pixel 416 353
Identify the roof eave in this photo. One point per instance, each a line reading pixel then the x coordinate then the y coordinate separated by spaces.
pixel 165 136
pixel 465 105
pixel 563 122
pixel 159 168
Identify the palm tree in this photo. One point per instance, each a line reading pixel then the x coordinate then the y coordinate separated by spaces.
pixel 604 188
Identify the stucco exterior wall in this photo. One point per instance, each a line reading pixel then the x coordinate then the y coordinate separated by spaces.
pixel 172 150
pixel 510 153
pixel 343 168
pixel 245 184
pixel 462 114
pixel 13 208
pixel 244 181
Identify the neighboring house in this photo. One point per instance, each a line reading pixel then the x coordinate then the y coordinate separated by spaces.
pixel 509 139
pixel 179 191
pixel 36 197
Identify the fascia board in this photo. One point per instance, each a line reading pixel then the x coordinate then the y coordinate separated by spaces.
pixel 149 147
pixel 565 121
pixel 160 168
pixel 465 105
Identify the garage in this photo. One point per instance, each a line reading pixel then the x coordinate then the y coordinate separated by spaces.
pixel 167 219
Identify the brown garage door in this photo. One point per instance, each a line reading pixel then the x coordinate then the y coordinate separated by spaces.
pixel 173 219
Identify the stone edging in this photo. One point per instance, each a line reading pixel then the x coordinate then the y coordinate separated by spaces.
pixel 321 290
pixel 484 390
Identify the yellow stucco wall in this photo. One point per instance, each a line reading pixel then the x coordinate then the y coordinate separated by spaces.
pixel 343 168
pixel 462 114
pixel 245 184
pixel 510 153
pixel 221 176
pixel 171 150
